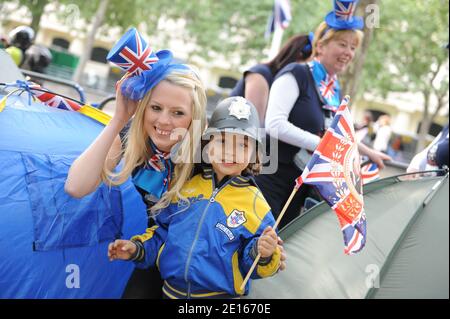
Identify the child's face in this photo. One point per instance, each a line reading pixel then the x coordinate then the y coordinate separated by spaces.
pixel 169 108
pixel 230 154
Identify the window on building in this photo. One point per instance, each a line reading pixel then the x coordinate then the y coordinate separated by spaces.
pixel 434 129
pixel 376 114
pixel 61 43
pixel 99 55
pixel 227 82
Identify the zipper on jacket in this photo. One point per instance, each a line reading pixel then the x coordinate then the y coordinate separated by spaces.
pixel 212 199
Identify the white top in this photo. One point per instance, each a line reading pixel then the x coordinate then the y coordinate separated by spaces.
pixel 420 161
pixel 382 138
pixel 282 97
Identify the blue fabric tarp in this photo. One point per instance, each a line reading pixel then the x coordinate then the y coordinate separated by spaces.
pixel 53 245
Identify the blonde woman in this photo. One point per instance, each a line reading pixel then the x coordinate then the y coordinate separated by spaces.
pixel 166 108
pixel 302 102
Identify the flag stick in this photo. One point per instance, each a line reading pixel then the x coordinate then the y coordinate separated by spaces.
pixel 294 191
pixel 277 37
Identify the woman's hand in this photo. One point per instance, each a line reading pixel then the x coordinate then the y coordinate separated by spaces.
pixel 375 156
pixel 125 108
pixel 268 242
pixel 121 249
pixel 378 158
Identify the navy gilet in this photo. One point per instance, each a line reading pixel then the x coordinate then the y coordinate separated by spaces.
pixel 442 149
pixel 307 112
pixel 264 70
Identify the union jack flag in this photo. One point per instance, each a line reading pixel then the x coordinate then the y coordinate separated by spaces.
pixel 280 16
pixel 327 88
pixel 370 173
pixel 135 56
pixel 53 100
pixel 344 10
pixel 334 171
pixel 158 159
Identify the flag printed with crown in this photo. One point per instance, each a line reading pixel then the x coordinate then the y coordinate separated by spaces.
pixel 132 54
pixel 334 170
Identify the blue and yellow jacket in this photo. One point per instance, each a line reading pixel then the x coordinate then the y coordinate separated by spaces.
pixel 207 246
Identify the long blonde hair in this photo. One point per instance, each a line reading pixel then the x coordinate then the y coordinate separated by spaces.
pixel 324 35
pixel 137 151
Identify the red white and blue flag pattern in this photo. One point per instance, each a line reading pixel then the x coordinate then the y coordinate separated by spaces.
pixel 344 10
pixel 370 173
pixel 136 56
pixel 327 88
pixel 157 160
pixel 327 85
pixel 334 170
pixel 280 17
pixel 53 100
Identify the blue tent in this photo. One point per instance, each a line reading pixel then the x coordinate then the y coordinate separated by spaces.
pixel 52 245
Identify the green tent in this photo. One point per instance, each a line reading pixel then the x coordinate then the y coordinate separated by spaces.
pixel 406 254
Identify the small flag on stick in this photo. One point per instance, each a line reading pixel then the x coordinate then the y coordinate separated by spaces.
pixel 334 169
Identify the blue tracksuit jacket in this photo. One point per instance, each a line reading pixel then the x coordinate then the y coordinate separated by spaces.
pixel 207 246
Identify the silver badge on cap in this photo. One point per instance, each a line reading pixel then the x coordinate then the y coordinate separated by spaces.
pixel 239 108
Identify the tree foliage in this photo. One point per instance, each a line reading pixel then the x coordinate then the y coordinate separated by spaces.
pixel 408 47
pixel 407 54
pixel 404 53
pixel 237 27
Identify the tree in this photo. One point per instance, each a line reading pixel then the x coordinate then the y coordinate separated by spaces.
pixel 233 29
pixel 350 79
pixel 102 14
pixel 236 28
pixel 35 8
pixel 90 38
pixel 407 55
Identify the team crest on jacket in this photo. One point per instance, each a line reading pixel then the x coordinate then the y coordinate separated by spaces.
pixel 236 219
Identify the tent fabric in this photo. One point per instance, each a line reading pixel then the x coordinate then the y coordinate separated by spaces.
pixel 406 254
pixel 419 268
pixel 9 72
pixel 97 217
pixel 53 245
pixel 48 238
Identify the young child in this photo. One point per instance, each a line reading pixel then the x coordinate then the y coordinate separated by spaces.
pixel 220 221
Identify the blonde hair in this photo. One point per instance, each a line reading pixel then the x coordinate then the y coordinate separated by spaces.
pixel 137 151
pixel 324 35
